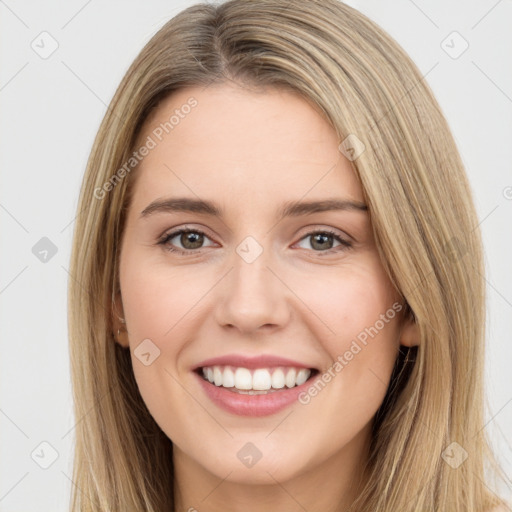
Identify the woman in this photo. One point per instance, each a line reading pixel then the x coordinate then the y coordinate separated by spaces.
pixel 276 300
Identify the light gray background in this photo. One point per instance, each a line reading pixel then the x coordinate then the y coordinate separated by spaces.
pixel 51 111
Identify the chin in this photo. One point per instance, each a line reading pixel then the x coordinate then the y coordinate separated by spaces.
pixel 250 465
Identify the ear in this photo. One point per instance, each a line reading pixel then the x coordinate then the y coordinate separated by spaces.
pixel 409 332
pixel 119 330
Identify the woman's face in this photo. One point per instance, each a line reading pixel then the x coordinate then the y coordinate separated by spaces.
pixel 248 282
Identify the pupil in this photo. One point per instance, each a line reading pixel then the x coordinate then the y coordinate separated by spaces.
pixel 194 239
pixel 323 237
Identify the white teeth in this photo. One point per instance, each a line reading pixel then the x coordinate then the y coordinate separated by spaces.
pixel 261 380
pixel 243 378
pixel 228 378
pixel 217 376
pixel 290 378
pixel 257 381
pixel 302 376
pixel 278 379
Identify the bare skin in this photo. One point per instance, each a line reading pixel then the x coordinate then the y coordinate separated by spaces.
pixel 249 153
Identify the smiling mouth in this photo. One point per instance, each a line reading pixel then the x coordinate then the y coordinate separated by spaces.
pixel 259 381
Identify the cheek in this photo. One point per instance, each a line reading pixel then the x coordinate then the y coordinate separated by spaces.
pixel 160 305
pixel 158 301
pixel 350 303
pixel 359 330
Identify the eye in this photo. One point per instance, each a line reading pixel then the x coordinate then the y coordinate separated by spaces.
pixel 322 241
pixel 190 239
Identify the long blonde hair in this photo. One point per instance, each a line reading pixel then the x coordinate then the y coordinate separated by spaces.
pixel 424 223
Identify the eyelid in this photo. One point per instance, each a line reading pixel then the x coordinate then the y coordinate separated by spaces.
pixel 185 227
pixel 323 228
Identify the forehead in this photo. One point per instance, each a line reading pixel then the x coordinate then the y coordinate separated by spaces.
pixel 232 140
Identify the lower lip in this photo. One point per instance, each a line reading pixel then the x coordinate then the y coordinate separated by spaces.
pixel 252 405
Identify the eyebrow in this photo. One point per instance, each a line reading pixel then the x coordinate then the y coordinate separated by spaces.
pixel 289 209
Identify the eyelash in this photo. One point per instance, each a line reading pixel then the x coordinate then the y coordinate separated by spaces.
pixel 345 244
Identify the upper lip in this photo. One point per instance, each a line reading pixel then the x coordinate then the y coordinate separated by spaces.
pixel 243 361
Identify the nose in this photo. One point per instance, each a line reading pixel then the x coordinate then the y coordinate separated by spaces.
pixel 252 297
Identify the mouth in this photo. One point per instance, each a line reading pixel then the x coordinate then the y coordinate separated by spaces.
pixel 257 381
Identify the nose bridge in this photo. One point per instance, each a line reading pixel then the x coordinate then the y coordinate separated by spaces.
pixel 250 273
pixel 252 296
pixel 251 279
